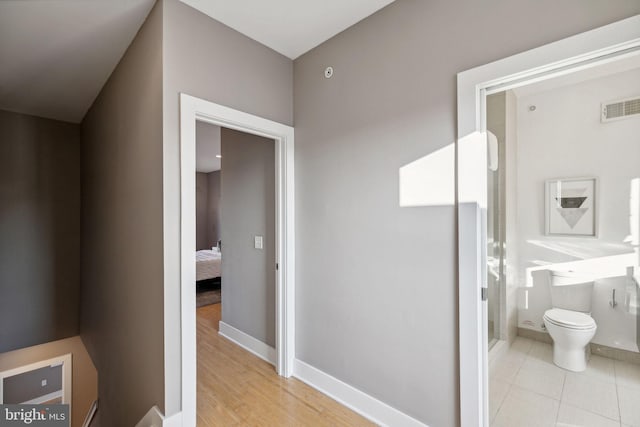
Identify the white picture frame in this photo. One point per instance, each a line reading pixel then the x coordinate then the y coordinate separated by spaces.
pixel 571 207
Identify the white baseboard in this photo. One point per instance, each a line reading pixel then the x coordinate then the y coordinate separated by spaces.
pixel 360 402
pixel 249 343
pixel 369 407
pixel 88 419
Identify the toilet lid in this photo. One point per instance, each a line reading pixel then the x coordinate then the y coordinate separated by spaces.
pixel 569 319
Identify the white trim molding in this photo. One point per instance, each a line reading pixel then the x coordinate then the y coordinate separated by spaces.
pixel 192 109
pixel 88 419
pixel 589 49
pixel 369 407
pixel 249 343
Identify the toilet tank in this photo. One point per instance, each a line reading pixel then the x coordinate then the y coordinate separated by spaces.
pixel 571 291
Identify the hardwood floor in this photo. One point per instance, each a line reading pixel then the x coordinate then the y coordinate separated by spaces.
pixel 236 388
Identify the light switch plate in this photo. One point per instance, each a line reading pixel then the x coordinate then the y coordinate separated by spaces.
pixel 44 383
pixel 258 242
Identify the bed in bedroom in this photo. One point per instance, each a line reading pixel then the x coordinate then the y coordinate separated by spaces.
pixel 208 272
pixel 208 264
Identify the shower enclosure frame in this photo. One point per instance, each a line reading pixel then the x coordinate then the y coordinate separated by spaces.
pixel 585 50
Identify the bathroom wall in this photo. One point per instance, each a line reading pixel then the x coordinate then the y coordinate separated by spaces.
pixel 496 125
pixel 563 137
pixel 617 327
pixel 501 121
pixel 511 215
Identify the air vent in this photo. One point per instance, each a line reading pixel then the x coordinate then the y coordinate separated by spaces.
pixel 620 109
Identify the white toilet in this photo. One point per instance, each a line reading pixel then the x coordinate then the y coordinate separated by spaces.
pixel 569 322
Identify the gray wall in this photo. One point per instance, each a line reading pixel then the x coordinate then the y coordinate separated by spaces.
pixel 209 60
pixel 202 207
pixel 213 207
pixel 207 209
pixel 248 210
pixel 380 311
pixel 122 246
pixel 39 230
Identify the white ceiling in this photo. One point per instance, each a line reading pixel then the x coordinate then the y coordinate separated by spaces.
pixel 57 54
pixel 207 147
pixel 613 67
pixel 291 27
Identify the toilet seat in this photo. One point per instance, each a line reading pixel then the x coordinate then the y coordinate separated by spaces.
pixel 569 319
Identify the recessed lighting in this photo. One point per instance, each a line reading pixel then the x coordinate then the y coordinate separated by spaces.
pixel 218 156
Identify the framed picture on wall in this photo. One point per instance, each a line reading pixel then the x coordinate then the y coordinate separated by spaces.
pixel 571 207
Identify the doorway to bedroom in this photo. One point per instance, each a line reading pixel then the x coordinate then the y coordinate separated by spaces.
pixel 208 230
pixel 227 339
pixel 235 258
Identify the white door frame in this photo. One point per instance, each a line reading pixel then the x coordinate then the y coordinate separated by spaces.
pixel 585 50
pixel 192 109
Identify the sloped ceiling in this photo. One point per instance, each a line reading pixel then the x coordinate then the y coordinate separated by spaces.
pixel 56 55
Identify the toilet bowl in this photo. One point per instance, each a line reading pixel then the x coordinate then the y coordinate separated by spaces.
pixel 571 332
pixel 569 321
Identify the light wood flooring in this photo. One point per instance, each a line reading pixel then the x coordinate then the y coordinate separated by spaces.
pixel 236 388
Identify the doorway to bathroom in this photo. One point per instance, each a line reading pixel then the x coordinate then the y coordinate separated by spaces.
pixel 549 194
pixel 563 166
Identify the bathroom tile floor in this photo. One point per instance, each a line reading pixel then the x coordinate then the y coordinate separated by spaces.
pixel 527 390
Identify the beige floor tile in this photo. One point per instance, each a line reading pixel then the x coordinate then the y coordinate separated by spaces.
pixel 521 345
pixel 591 394
pixel 601 368
pixel 524 408
pixel 627 374
pixel 541 352
pixel 541 378
pixel 506 367
pixel 498 390
pixel 570 416
pixel 629 405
